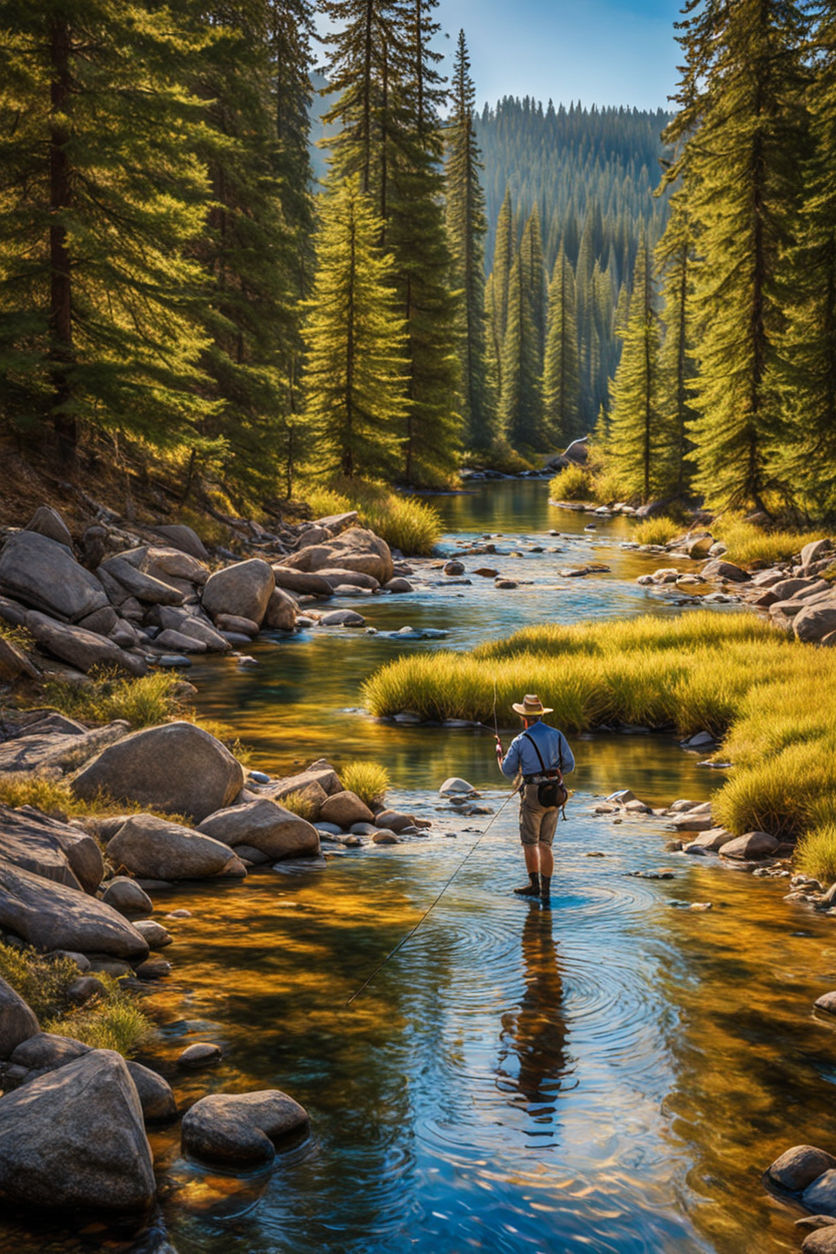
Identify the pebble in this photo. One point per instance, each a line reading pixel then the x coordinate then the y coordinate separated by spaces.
pixel 201 1054
pixel 182 913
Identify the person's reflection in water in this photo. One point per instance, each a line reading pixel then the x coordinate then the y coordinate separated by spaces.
pixel 532 1061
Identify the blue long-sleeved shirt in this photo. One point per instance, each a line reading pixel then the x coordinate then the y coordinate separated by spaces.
pixel 553 746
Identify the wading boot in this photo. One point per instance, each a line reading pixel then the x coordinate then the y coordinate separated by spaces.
pixel 546 891
pixel 532 889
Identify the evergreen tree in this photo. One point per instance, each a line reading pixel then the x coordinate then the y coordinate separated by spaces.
pixel 675 262
pixel 503 259
pixel 466 230
pixel 805 368
pixel 561 372
pixel 245 246
pixel 290 36
pixel 743 156
pixel 534 276
pixel 355 398
pixel 520 406
pixel 635 445
pixel 101 194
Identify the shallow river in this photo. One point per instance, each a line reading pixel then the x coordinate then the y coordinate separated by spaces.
pixel 610 1076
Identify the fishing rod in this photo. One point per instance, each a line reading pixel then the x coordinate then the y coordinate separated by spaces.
pixel 431 907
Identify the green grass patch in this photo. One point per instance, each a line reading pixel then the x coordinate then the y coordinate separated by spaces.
pixel 747 543
pixel 112 1021
pixel 659 530
pixel 403 522
pixel 369 780
pixel 573 483
pixel 53 797
pixel 143 701
pixel 771 698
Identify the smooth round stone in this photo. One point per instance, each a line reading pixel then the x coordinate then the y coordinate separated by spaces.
pixel 153 969
pixel 201 1054
pixel 155 934
pixel 175 661
pixel 363 829
pixel 383 837
pixel 328 829
pixel 85 989
pixel 259 777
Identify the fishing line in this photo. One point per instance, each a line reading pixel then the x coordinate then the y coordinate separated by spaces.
pixel 432 906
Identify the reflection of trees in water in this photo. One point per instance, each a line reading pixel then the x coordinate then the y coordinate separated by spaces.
pixel 532 1059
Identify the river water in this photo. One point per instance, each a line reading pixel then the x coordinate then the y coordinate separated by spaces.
pixel 612 1075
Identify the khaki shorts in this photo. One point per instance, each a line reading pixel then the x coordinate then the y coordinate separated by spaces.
pixel 537 823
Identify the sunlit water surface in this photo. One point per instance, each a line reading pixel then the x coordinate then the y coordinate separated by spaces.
pixel 612 1075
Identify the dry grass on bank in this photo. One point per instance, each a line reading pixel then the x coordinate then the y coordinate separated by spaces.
pixel 142 702
pixel 403 522
pixel 42 980
pixel 53 797
pixel 774 700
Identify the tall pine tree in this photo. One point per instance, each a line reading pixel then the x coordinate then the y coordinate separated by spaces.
pixel 561 374
pixel 466 230
pixel 520 405
pixel 355 398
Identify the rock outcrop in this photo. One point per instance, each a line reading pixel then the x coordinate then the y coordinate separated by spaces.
pixel 178 768
pixel 43 574
pixel 243 590
pixel 18 1021
pixel 153 848
pixel 53 916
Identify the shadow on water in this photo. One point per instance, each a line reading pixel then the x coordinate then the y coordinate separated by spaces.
pixel 608 1077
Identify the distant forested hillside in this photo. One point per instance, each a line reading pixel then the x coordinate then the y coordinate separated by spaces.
pixel 571 161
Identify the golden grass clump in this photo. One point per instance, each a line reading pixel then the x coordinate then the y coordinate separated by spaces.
pixel 403 522
pixel 574 483
pixel 369 780
pixel 299 803
pixel 53 797
pixel 114 1022
pixel 816 853
pixel 659 530
pixel 747 543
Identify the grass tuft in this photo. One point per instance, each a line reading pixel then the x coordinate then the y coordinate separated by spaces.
pixel 369 780
pixel 142 701
pixel 573 483
pixel 114 1022
pixel 747 543
pixel 660 530
pixel 403 522
pixel 816 853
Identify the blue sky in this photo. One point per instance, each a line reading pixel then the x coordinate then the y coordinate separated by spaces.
pixel 608 52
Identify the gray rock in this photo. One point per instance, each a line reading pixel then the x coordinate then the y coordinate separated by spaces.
pixel 820 1196
pixel 356 549
pixel 47 1051
pixel 349 579
pixel 717 568
pixel 243 589
pixel 200 1054
pixel 281 611
pixel 815 550
pixel 155 1095
pixel 240 1128
pixel 827 1005
pixel 690 822
pixel 169 564
pixel 178 642
pixel 183 538
pixel 461 788
pixel 823 1241
pixel 816 621
pixel 154 933
pixel 126 896
pixel 32 847
pixel 305 582
pixel 84 989
pixel 153 969
pixel 155 848
pixel 713 839
pixel 751 846
pixel 398 585
pixel 265 826
pixel 800 1166
pixel 138 584
pixel 74 1139
pixel 43 574
pixel 392 820
pixel 14 662
pixel 48 522
pixel 52 916
pixel 17 1020
pixel 245 628
pixel 81 648
pixel 176 767
pixel 43 750
pixel 342 618
pixel 383 836
pixel 250 856
pixel 345 808
pixel 174 618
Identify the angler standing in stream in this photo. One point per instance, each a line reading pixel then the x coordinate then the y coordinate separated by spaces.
pixel 541 756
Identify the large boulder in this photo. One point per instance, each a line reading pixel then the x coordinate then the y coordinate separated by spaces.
pixel 80 647
pixel 720 569
pixel 78 846
pixel 45 748
pixel 800 1166
pixel 240 1129
pixel 356 549
pixel 340 577
pixel 177 767
pixel 281 611
pixel 165 564
pixel 17 1020
pixel 815 550
pixel 155 849
pixel 33 848
pixel 48 522
pixel 345 808
pixel 137 583
pixel 243 590
pixel 265 826
pixel 74 1139
pixel 181 537
pixel 820 1196
pixel 52 916
pixel 302 581
pixel 816 621
pixel 42 573
pixel 751 846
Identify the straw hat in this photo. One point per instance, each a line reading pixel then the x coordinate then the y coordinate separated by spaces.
pixel 531 706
